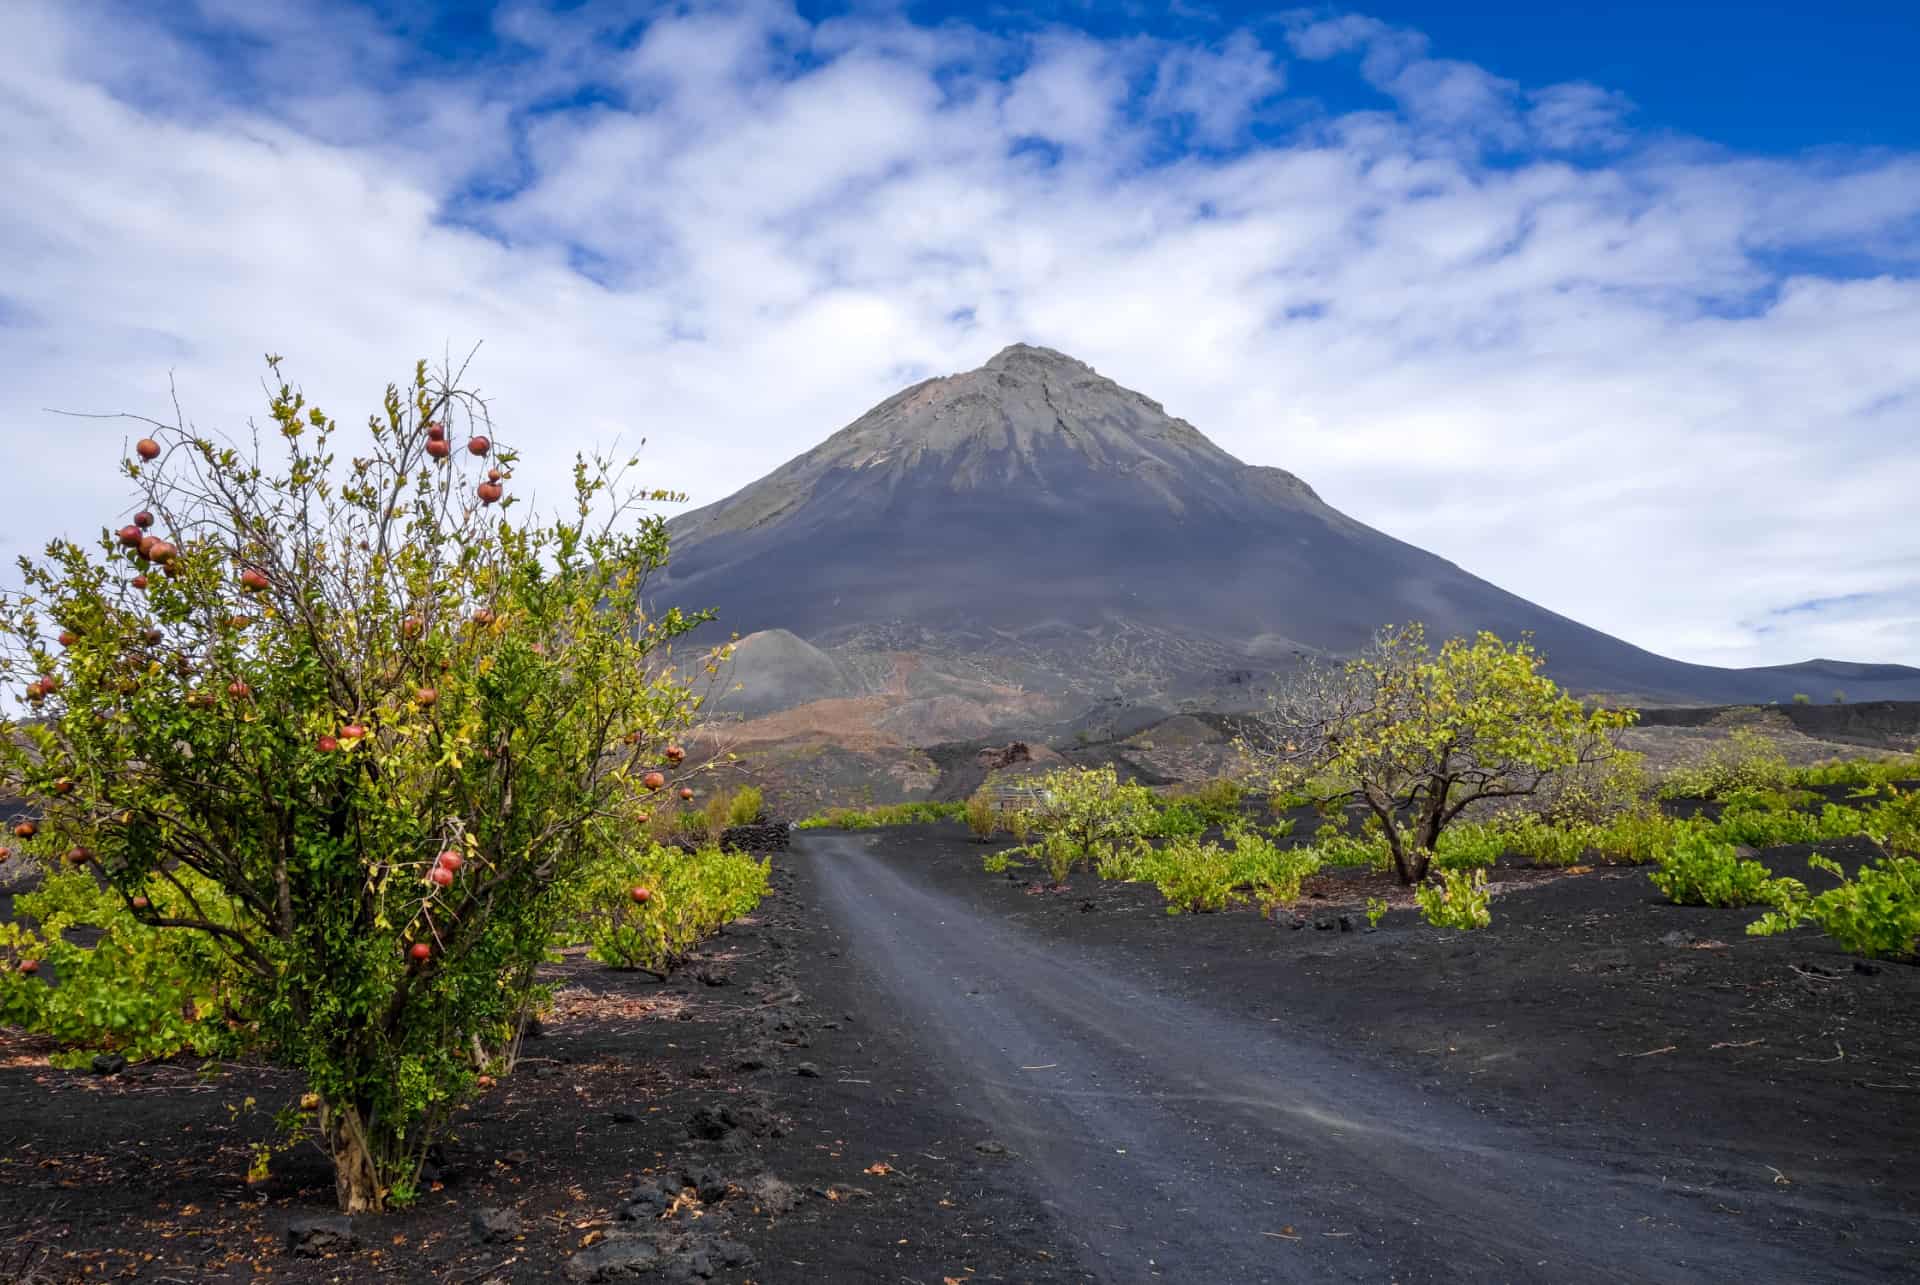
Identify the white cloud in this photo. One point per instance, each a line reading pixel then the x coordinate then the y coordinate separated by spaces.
pixel 1628 388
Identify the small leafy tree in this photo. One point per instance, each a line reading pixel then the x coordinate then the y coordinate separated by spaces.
pixel 1418 736
pixel 379 717
pixel 1087 817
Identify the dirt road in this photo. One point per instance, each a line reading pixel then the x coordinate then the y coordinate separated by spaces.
pixel 1180 1140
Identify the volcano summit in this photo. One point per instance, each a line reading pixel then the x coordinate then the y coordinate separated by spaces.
pixel 1036 522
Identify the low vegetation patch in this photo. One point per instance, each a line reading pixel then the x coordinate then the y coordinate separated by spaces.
pixel 1876 913
pixel 869 818
pixel 132 989
pixel 1456 899
pixel 648 908
pixel 1700 870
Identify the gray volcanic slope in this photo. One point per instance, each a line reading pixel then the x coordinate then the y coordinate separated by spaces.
pixel 1035 508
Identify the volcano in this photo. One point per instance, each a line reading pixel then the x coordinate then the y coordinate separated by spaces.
pixel 1035 523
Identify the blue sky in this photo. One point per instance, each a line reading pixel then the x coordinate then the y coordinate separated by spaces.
pixel 1611 305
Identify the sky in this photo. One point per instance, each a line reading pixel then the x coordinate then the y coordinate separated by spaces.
pixel 1617 307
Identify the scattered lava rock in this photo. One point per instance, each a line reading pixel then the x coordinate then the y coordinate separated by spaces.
pixel 109 1064
pixel 318 1237
pixel 770 1195
pixel 767 836
pixel 617 1258
pixel 712 1123
pixel 709 1184
pixel 806 1070
pixel 494 1226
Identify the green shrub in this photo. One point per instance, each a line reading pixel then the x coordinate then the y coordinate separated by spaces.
pixel 1216 802
pixel 1801 698
pixel 1458 900
pixel 1768 820
pixel 1594 793
pixel 1178 821
pixel 689 897
pixel 1088 816
pixel 746 806
pixel 1194 877
pixel 983 819
pixel 1747 760
pixel 1334 847
pixel 1640 837
pixel 1876 913
pixel 1896 823
pixel 1883 771
pixel 1272 873
pixel 136 990
pixel 869 818
pixel 1468 845
pixel 1376 911
pixel 1702 871
pixel 1544 844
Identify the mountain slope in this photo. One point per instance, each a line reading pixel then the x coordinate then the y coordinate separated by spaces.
pixel 1040 519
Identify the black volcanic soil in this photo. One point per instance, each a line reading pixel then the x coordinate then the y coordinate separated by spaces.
pixel 1013 1085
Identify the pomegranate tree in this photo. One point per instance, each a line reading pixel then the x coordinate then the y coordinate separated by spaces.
pixel 434 715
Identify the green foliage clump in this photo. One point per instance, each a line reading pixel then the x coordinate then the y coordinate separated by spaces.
pixel 1876 913
pixel 869 818
pixel 1193 876
pixel 1089 817
pixel 690 895
pixel 1545 844
pixel 1332 846
pixel 1272 873
pixel 983 818
pixel 136 990
pixel 1702 871
pixel 1801 698
pixel 1215 802
pixel 1376 911
pixel 1641 836
pixel 1884 771
pixel 1745 761
pixel 1178 820
pixel 1764 819
pixel 1470 845
pixel 1458 899
pixel 1595 792
pixel 745 806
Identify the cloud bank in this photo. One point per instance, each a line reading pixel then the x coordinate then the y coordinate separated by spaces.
pixel 1658 386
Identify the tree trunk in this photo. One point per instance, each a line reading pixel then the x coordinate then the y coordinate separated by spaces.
pixel 1409 862
pixel 356 1172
